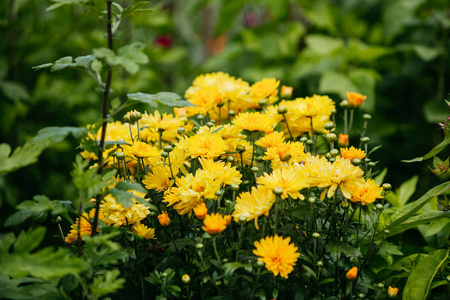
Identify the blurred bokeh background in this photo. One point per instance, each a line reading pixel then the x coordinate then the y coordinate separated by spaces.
pixel 394 51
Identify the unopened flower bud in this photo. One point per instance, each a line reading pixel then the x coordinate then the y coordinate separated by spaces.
pixel 259 159
pixel 303 139
pixel 309 142
pixel 126 118
pixel 230 158
pixel 186 278
pixel 332 160
pixel 352 273
pixel 329 126
pixel 181 130
pixel 58 219
pixel 219 193
pixel 164 275
pixel 367 116
pixel 361 296
pixel 387 231
pixel 380 285
pixel 235 186
pixel 344 104
pixel 343 140
pixel 286 92
pixel 331 137
pixel 334 152
pixel 312 200
pixel 231 113
pixel 199 246
pixel 195 129
pixel 379 206
pixel 210 124
pixel 367 160
pixel 242 219
pixel 345 204
pixel 282 109
pixel 372 164
pixel 200 117
pixel 168 149
pixel 254 169
pixel 164 154
pixel 120 155
pixel 319 264
pixel 315 235
pixel 227 202
pixel 259 264
pixel 278 191
pixel 240 148
pixel 364 139
pixel 387 187
pixel 328 155
pixel 356 161
pixel 246 182
pixel 262 102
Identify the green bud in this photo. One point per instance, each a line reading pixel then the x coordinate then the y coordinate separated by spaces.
pixel 309 142
pixel 364 139
pixel 219 193
pixel 58 219
pixel 231 113
pixel 316 235
pixel 164 275
pixel 218 283
pixel 379 206
pixel 199 246
pixel 332 160
pixel 240 148
pixel 230 158
pixel 242 219
pixel 278 191
pixel 319 264
pixel 210 124
pixel 329 126
pixel 372 164
pixel 328 155
pixel 195 129
pixel 246 182
pixel 344 104
pixel 259 264
pixel 227 202
pixel 387 187
pixel 356 161
pixel 448 278
pixel 168 149
pixel 235 186
pixel 331 137
pixel 186 278
pixel 380 285
pixel 312 200
pixel 254 169
pixel 334 152
pixel 259 159
pixel 367 116
pixel 303 139
pixel 367 160
pixel 164 154
pixel 345 204
pixel 262 102
pixel 181 130
pixel 120 155
pixel 282 109
pixel 224 260
pixel 387 231
pixel 200 117
pixel 361 296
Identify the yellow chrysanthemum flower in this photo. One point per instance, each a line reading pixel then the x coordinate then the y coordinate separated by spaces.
pixel 285 154
pixel 365 192
pixel 214 223
pixel 164 219
pixel 352 153
pixel 116 214
pixel 208 145
pixel 143 231
pixel 192 190
pixel 246 155
pixel 84 224
pixel 290 180
pixel 264 88
pixel 277 254
pixel 253 205
pixel 224 173
pixel 254 121
pixel 157 122
pixel 340 174
pixel 204 98
pixel 143 150
pixel 159 179
pixel 355 99
pixel 271 140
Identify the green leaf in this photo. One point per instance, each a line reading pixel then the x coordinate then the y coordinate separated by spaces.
pixel 59 3
pixel 30 240
pixel 27 288
pixel 418 204
pixel 228 14
pixel 333 82
pixel 380 177
pixel 125 185
pixel 107 283
pixel 323 44
pixel 21 157
pixel 406 190
pixel 419 281
pixel 396 14
pixel 337 247
pixel 137 9
pixel 163 98
pixel 129 56
pixel 230 267
pixel 415 221
pixel 57 134
pixel 424 52
pixel 413 160
pixel 14 90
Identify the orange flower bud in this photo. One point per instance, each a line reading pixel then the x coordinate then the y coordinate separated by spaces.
pixel 343 140
pixel 352 273
pixel 286 91
pixel 164 219
pixel 355 99
pixel 200 211
pixel 392 292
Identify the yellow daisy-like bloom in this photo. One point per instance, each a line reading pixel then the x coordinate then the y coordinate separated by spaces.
pixel 214 223
pixel 352 153
pixel 192 190
pixel 343 140
pixel 143 150
pixel 227 131
pixel 314 106
pixel 158 122
pixel 158 179
pixel 340 174
pixel 201 211
pixel 116 214
pixel 392 292
pixel 277 254
pixel 224 173
pixel 254 121
pixel 143 231
pixel 208 145
pixel 164 219
pixel 246 155
pixel 253 205
pixel 204 98
pixel 290 180
pixel 365 192
pixel 85 226
pixel 355 99
pixel 264 88
pixel 271 140
pixel 286 91
pixel 285 154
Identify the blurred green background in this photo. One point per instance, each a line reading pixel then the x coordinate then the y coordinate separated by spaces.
pixel 394 51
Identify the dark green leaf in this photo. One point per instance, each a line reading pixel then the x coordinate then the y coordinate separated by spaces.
pixel 30 240
pixel 57 134
pixel 419 282
pixel 164 98
pixel 230 267
pixel 107 283
pixel 337 247
pixel 415 221
pixel 59 3
pixel 137 9
pixel 21 157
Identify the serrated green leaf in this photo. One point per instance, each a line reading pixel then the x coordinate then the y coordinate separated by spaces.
pixel 164 98
pixel 137 9
pixel 57 134
pixel 335 248
pixel 107 283
pixel 124 185
pixel 29 240
pixel 21 157
pixel 419 281
pixel 6 241
pixel 59 3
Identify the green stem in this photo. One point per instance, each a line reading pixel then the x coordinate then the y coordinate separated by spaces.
pixel 276 213
pixel 253 148
pixel 131 133
pixel 170 167
pixel 345 121
pixel 351 121
pixel 138 131
pixel 241 231
pixel 359 224
pixel 287 126
pixel 215 251
pixel 160 139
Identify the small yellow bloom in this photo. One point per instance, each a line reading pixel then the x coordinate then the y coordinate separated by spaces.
pixel 278 255
pixel 206 144
pixel 143 150
pixel 264 88
pixel 253 205
pixel 286 91
pixel 343 140
pixel 215 223
pixel 365 192
pixel 143 231
pixel 83 223
pixel 200 211
pixel 290 180
pixel 158 179
pixel 254 121
pixel 352 153
pixel 164 219
pixel 392 292
pixel 352 273
pixel 271 140
pixel 355 99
